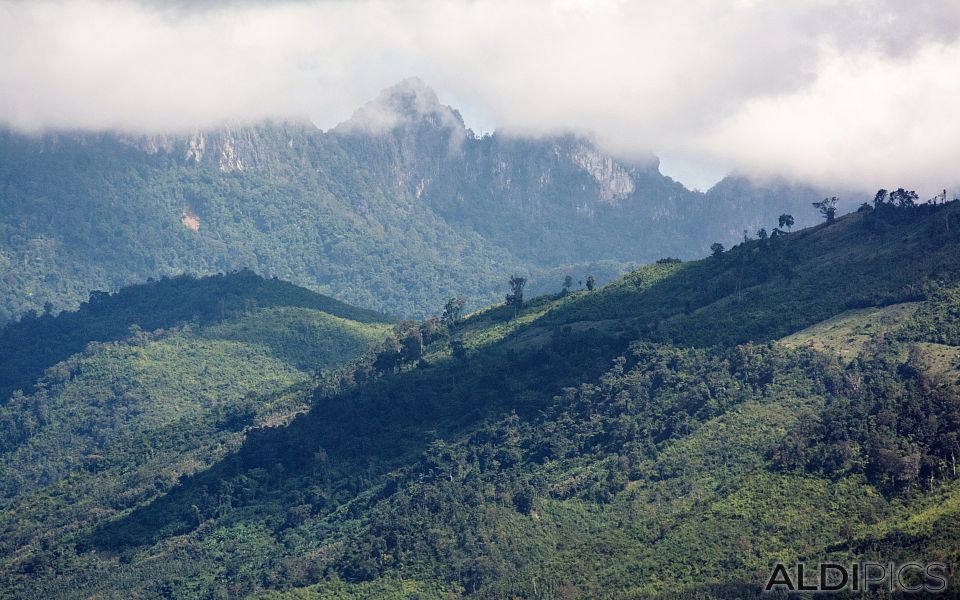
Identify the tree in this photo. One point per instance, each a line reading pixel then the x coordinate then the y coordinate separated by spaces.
pixel 432 329
pixel 515 297
pixel 453 311
pixel 567 283
pixel 881 197
pixel 389 356
pixel 458 349
pixel 591 283
pixel 717 249
pixel 904 199
pixel 523 498
pixel 412 344
pixel 785 221
pixel 762 234
pixel 827 208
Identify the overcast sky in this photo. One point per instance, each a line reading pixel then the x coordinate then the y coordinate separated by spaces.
pixel 827 91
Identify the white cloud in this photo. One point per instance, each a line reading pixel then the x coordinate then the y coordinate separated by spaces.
pixel 825 90
pixel 863 120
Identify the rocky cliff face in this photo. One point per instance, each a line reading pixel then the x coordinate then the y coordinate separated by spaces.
pixel 615 180
pixel 398 208
pixel 233 149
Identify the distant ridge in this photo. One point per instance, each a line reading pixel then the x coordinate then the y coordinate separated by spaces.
pixel 397 209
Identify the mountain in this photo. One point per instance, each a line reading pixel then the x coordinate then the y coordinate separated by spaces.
pixel 397 209
pixel 672 434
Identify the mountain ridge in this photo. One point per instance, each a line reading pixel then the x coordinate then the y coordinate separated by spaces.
pixel 395 219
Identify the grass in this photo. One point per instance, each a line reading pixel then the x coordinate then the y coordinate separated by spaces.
pixel 304 338
pixel 846 333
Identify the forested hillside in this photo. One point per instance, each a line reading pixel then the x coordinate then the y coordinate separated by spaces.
pixel 397 209
pixel 35 343
pixel 116 401
pixel 673 433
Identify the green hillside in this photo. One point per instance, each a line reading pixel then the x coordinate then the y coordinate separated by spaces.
pixel 672 434
pixel 35 343
pixel 132 410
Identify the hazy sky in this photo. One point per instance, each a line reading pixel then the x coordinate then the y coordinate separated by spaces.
pixel 827 91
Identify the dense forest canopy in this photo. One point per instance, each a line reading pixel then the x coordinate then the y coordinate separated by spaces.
pixel 668 434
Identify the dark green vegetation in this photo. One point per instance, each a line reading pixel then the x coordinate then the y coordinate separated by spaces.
pixel 34 343
pixel 651 438
pixel 394 219
pixel 138 388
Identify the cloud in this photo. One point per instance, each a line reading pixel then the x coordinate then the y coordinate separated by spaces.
pixel 830 91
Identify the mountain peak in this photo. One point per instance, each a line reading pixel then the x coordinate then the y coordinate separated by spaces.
pixel 410 101
pixel 411 96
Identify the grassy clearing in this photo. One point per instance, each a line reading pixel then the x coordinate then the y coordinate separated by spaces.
pixel 846 333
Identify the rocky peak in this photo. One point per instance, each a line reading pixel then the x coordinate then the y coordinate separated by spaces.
pixel 410 102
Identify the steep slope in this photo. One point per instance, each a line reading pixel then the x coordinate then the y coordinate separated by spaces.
pixel 397 209
pixel 653 438
pixel 139 388
pixel 557 200
pixel 34 344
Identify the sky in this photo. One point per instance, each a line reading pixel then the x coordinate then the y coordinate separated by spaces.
pixel 831 92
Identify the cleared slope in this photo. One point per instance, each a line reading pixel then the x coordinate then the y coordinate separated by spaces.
pixel 847 333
